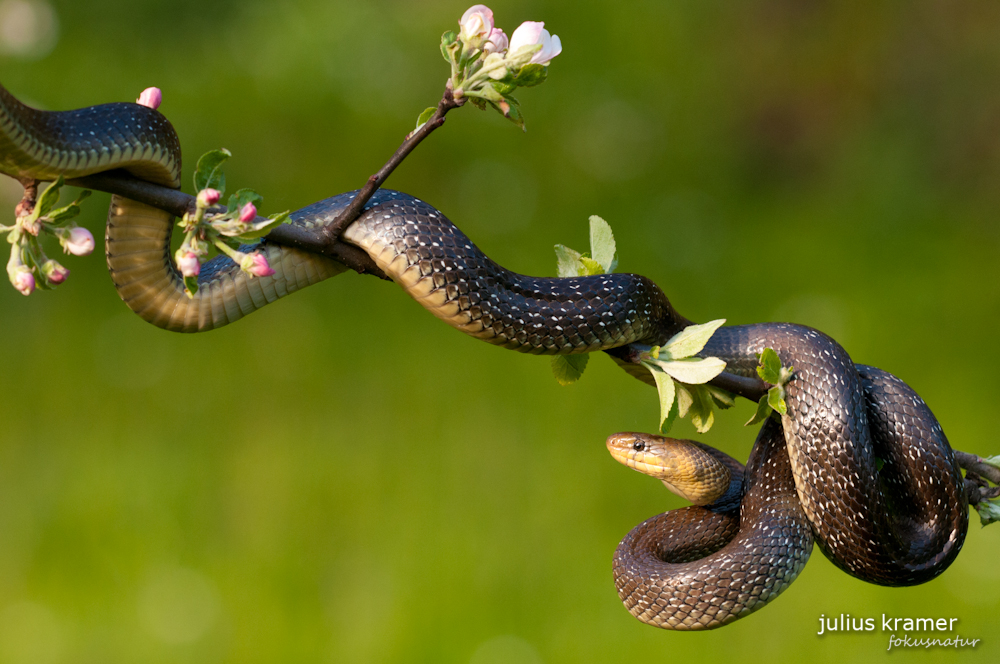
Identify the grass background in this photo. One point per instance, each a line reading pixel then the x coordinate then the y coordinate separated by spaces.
pixel 342 478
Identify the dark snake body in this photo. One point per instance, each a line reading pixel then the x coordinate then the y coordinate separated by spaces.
pixel 701 568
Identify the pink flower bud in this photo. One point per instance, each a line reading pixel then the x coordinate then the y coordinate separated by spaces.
pixel 477 24
pixel 54 272
pixel 78 241
pixel 248 213
pixel 209 197
pixel 23 280
pixel 256 265
pixel 497 42
pixel 151 97
pixel 532 33
pixel 188 263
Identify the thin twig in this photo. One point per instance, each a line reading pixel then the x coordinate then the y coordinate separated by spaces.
pixel 334 229
pixel 27 203
pixel 975 468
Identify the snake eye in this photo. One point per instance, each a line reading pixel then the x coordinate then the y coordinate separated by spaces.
pixel 639 446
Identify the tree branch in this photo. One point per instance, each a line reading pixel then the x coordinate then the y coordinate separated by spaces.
pixel 334 229
pixel 178 203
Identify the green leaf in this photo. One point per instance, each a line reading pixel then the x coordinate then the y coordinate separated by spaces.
pixel 505 85
pixel 479 103
pixel 702 416
pixel 590 266
pixel 531 74
pixel 569 368
pixel 668 400
pixel 691 340
pixel 568 262
pixel 425 116
pixel 684 400
pixel 763 410
pixel 447 39
pixel 722 398
pixel 693 371
pixel 510 108
pixel 776 399
pixel 989 512
pixel 602 243
pixel 208 174
pixel 48 199
pixel 261 231
pixel 191 286
pixel 770 367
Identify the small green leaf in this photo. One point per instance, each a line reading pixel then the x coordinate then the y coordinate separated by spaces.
pixel 684 400
pixel 531 74
pixel 208 173
pixel 702 416
pixel 602 243
pixel 691 340
pixel 505 85
pixel 191 286
pixel 776 399
pixel 668 401
pixel 478 103
pixel 568 262
pixel 693 371
pixel 591 266
pixel 510 108
pixel 770 367
pixel 763 410
pixel 569 368
pixel 447 39
pixel 722 398
pixel 48 199
pixel 425 116
pixel 989 512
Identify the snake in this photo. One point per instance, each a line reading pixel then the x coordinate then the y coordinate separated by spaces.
pixel 858 463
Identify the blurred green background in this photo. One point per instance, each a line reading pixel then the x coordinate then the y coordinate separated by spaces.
pixel 341 477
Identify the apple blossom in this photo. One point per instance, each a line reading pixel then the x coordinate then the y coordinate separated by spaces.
pixel 533 33
pixel 477 24
pixel 248 213
pixel 77 241
pixel 23 279
pixel 256 265
pixel 188 263
pixel 54 272
pixel 151 97
pixel 209 197
pixel 497 42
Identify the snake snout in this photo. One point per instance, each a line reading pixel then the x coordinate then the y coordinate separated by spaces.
pixel 682 465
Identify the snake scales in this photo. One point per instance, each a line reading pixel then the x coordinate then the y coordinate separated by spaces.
pixel 858 462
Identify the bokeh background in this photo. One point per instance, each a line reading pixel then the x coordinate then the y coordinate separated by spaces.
pixel 341 477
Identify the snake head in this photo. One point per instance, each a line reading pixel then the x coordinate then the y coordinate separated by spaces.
pixel 683 466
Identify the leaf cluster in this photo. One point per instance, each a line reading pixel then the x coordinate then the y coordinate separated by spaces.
pixel 770 371
pixel 602 259
pixel 681 377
